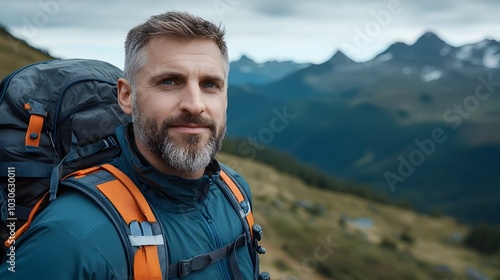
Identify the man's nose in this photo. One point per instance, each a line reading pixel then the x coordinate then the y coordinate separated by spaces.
pixel 192 99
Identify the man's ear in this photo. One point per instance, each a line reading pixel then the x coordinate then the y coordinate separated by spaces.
pixel 125 95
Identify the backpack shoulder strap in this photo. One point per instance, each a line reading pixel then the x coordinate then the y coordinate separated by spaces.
pixel 127 209
pixel 143 231
pixel 245 207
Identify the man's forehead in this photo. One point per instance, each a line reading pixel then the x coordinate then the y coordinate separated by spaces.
pixel 173 53
pixel 170 45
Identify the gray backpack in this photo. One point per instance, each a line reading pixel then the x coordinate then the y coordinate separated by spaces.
pixel 56 117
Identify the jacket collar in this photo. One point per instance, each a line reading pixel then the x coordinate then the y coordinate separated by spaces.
pixel 161 186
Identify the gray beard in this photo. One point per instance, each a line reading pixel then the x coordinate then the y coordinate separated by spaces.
pixel 187 157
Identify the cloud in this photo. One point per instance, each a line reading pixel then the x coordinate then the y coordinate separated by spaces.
pixel 277 8
pixel 281 29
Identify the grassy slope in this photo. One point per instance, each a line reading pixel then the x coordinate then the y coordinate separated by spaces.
pixel 293 235
pixel 15 53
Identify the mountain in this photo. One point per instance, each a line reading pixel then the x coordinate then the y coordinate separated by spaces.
pixel 16 53
pixel 418 121
pixel 247 72
pixel 430 49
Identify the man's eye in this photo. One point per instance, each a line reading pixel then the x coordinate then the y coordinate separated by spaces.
pixel 211 85
pixel 168 82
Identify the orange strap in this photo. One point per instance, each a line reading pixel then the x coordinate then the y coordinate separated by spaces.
pixel 129 201
pixel 20 231
pixel 132 206
pixel 239 196
pixel 123 201
pixel 34 132
pixel 82 172
pixel 147 264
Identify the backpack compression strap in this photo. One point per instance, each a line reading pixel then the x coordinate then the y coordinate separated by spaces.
pixel 35 125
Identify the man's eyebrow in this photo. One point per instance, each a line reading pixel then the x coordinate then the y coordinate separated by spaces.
pixel 166 74
pixel 155 78
pixel 215 78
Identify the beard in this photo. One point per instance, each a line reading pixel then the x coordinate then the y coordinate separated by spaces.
pixel 185 153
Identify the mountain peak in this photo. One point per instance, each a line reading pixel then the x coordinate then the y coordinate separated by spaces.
pixel 340 58
pixel 245 59
pixel 429 39
pixel 397 49
pixel 428 48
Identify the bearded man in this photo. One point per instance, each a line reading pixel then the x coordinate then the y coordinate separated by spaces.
pixel 175 88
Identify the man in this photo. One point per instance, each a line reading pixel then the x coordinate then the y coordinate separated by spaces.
pixel 175 88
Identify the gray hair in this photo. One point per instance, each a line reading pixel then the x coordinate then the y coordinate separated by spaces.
pixel 177 24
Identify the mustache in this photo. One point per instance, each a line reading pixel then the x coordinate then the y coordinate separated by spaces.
pixel 187 118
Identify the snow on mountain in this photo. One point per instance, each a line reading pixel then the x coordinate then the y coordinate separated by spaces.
pixel 465 52
pixel 445 51
pixel 491 58
pixel 429 73
pixel 384 57
pixel 485 53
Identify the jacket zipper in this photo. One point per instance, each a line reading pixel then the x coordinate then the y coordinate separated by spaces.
pixel 217 237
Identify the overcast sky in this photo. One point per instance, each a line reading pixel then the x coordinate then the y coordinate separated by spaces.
pixel 303 31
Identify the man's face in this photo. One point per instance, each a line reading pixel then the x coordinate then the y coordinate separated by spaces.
pixel 179 106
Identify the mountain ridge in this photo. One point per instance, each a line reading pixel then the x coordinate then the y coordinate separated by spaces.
pixel 374 112
pixel 245 71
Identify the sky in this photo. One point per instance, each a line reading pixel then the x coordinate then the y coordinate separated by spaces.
pixel 302 31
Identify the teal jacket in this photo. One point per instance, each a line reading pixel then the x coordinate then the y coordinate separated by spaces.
pixel 74 239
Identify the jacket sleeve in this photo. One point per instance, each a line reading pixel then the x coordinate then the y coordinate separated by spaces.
pixel 71 239
pixel 48 251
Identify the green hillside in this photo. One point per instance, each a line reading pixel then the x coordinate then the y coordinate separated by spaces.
pixel 311 233
pixel 15 53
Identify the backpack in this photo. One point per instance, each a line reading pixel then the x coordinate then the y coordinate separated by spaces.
pixel 55 107
pixel 56 117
